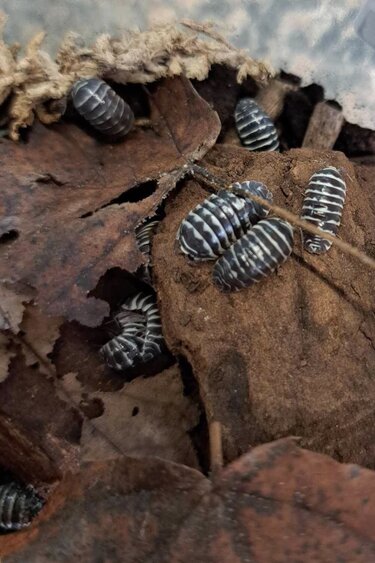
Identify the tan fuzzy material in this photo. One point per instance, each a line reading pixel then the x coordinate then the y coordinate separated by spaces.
pixel 188 48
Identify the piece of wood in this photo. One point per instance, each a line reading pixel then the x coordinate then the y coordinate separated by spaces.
pixel 324 126
pixel 216 447
pixel 271 98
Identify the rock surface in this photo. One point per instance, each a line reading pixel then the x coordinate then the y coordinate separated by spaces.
pixel 293 355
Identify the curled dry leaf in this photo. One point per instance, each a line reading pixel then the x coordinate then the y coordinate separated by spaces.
pixel 62 188
pixel 276 503
pixel 294 354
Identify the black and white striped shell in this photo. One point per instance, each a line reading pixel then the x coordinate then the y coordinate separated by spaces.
pixel 143 235
pixel 18 506
pixel 255 129
pixel 322 206
pixel 253 187
pixel 99 104
pixel 221 219
pixel 140 339
pixel 255 255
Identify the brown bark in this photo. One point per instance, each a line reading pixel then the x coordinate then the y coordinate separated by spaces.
pixel 293 355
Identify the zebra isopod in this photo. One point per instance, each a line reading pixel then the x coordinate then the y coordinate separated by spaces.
pixel 255 255
pixel 99 104
pixel 140 339
pixel 322 206
pixel 144 234
pixel 255 129
pixel 18 506
pixel 221 219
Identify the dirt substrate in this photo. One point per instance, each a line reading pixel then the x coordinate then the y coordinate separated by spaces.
pixel 293 355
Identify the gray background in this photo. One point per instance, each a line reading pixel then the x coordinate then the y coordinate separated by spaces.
pixel 315 39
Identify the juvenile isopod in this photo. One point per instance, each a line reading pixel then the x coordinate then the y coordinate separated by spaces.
pixel 255 255
pixel 143 235
pixel 255 129
pixel 18 506
pixel 221 219
pixel 140 339
pixel 99 104
pixel 322 206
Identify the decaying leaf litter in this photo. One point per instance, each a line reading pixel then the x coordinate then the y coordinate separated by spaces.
pixel 71 257
pixel 275 503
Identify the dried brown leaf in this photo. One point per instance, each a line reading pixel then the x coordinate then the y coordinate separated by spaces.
pixel 6 354
pixel 60 187
pixel 39 334
pixel 276 503
pixel 12 305
pixel 13 300
pixel 39 432
pixel 148 417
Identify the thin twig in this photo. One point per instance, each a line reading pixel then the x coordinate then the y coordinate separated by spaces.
pixel 306 226
pixel 210 179
pixel 216 447
pixel 218 183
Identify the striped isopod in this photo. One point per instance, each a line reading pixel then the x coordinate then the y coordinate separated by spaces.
pixel 322 206
pixel 212 226
pixel 102 107
pixel 143 235
pixel 256 210
pixel 18 505
pixel 254 127
pixel 140 339
pixel 255 255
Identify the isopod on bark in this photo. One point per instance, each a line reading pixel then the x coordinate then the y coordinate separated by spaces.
pixel 322 206
pixel 221 219
pixel 255 255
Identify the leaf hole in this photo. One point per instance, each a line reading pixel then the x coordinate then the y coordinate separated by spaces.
pixel 137 193
pixel 135 411
pixel 10 236
pixel 92 408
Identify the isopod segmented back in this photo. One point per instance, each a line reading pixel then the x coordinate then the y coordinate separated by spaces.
pixel 99 104
pixel 322 206
pixel 140 339
pixel 255 255
pixel 18 506
pixel 254 127
pixel 221 219
pixel 143 235
pixel 252 187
